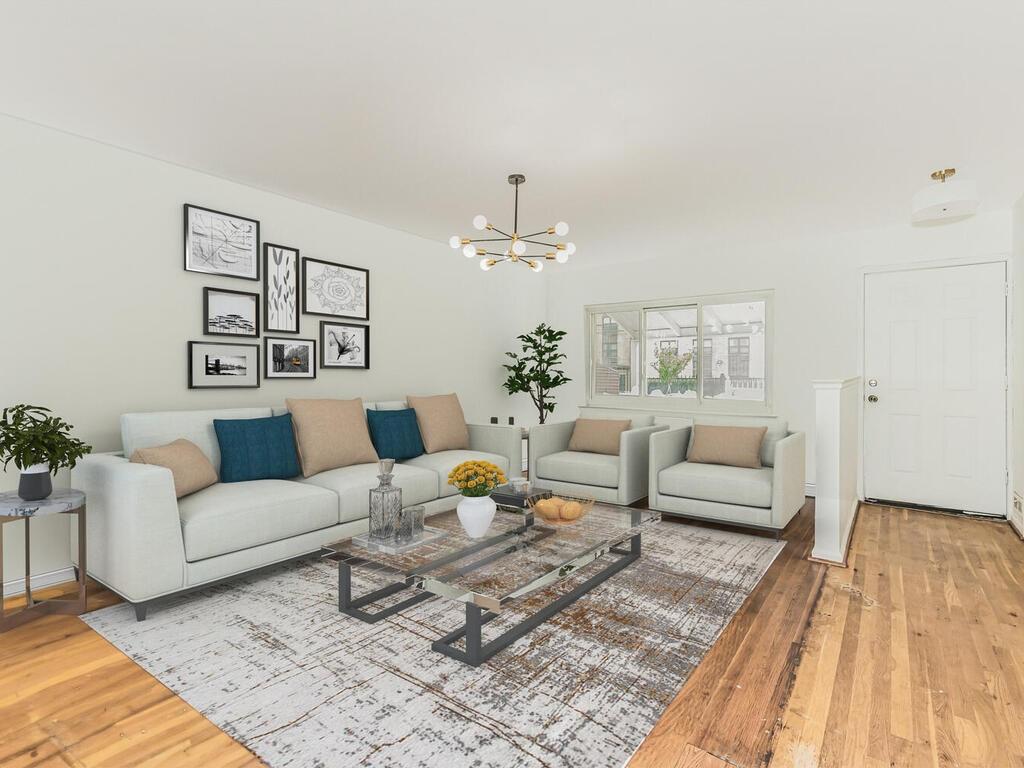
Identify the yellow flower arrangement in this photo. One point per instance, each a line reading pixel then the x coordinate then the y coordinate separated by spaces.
pixel 476 478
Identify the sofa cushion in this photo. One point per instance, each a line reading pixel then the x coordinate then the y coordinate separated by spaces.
pixel 330 434
pixel 577 467
pixel 598 435
pixel 732 446
pixel 228 517
pixel 442 422
pixel 190 468
pixel 395 433
pixel 443 462
pixel 777 429
pixel 388 405
pixel 352 486
pixel 257 449
pixel 144 430
pixel 717 482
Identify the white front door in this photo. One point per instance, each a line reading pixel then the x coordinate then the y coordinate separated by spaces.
pixel 935 387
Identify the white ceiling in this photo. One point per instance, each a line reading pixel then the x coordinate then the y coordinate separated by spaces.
pixel 684 119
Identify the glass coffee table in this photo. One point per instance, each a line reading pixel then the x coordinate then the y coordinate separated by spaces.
pixel 519 556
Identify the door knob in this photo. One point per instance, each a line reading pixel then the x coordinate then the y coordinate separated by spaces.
pixel 872 398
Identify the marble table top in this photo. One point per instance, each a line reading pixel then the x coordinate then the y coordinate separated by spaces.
pixel 61 500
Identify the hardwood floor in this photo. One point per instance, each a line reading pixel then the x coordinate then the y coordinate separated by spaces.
pixel 913 656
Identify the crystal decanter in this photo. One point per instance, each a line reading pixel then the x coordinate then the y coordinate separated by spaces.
pixel 385 504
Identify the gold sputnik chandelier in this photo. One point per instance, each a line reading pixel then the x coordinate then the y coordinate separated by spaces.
pixel 513 247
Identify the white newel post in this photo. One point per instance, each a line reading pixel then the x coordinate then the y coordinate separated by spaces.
pixel 836 460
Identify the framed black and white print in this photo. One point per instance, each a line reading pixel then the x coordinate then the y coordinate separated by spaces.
pixel 343 345
pixel 280 288
pixel 289 358
pixel 219 365
pixel 335 290
pixel 230 313
pixel 218 243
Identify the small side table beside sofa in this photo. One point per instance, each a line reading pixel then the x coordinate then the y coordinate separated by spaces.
pixel 13 508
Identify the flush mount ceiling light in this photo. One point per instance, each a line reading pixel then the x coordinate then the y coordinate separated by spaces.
pixel 513 247
pixel 946 199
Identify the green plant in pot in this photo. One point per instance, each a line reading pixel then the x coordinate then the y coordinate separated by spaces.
pixel 537 370
pixel 39 444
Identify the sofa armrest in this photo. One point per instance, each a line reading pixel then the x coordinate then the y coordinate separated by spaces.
pixel 668 448
pixel 500 439
pixel 546 439
pixel 634 456
pixel 133 529
pixel 788 478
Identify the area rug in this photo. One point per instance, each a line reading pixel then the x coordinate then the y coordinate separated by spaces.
pixel 269 659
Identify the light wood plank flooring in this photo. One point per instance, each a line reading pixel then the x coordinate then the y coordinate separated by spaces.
pixel 912 656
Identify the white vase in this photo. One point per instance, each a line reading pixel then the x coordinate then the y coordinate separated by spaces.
pixel 476 514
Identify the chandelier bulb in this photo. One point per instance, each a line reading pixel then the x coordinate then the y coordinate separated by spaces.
pixel 486 264
pixel 480 221
pixel 455 241
pixel 561 229
pixel 469 251
pixel 561 257
pixel 518 247
pixel 570 248
pixel 536 266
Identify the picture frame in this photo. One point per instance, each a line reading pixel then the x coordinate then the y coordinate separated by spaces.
pixel 280 288
pixel 289 358
pixel 230 313
pixel 344 345
pixel 222 365
pixel 331 289
pixel 219 243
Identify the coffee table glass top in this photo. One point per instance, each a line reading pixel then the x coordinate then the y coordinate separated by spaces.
pixel 518 555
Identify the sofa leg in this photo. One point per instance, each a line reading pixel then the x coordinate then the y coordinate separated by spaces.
pixel 140 611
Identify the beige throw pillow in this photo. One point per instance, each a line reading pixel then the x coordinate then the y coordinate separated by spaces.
pixel 190 468
pixel 441 421
pixel 330 434
pixel 598 435
pixel 733 446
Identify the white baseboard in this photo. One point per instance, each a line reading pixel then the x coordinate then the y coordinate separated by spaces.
pixel 810 489
pixel 39 581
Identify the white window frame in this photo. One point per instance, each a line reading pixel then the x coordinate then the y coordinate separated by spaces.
pixel 699 404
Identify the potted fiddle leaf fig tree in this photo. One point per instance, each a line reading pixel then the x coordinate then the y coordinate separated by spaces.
pixel 537 370
pixel 39 444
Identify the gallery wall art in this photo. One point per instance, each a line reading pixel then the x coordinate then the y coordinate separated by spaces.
pixel 219 365
pixel 218 243
pixel 344 345
pixel 280 288
pixel 336 290
pixel 230 313
pixel 289 358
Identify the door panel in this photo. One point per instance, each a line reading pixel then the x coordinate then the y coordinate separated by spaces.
pixel 935 342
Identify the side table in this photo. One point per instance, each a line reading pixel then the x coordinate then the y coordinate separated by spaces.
pixel 60 502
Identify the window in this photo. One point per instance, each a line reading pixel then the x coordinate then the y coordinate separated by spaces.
pixel 615 350
pixel 709 353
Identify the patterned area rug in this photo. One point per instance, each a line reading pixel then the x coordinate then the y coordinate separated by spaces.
pixel 269 659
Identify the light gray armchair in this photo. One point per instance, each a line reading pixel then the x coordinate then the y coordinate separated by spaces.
pixel 618 479
pixel 763 498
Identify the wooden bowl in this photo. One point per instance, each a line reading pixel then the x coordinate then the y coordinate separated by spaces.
pixel 555 509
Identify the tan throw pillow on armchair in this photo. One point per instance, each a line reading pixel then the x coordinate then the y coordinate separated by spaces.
pixel 441 421
pixel 598 435
pixel 331 434
pixel 190 468
pixel 732 446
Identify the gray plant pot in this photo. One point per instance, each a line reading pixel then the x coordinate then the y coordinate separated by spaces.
pixel 35 484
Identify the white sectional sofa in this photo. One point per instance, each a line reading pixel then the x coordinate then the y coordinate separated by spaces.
pixel 143 543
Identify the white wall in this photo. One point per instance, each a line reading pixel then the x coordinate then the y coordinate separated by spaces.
pixel 1017 374
pixel 817 283
pixel 96 309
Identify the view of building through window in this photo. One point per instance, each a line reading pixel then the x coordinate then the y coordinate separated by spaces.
pixel 711 351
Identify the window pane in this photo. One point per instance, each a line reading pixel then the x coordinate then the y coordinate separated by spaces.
pixel 615 342
pixel 671 352
pixel 733 354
